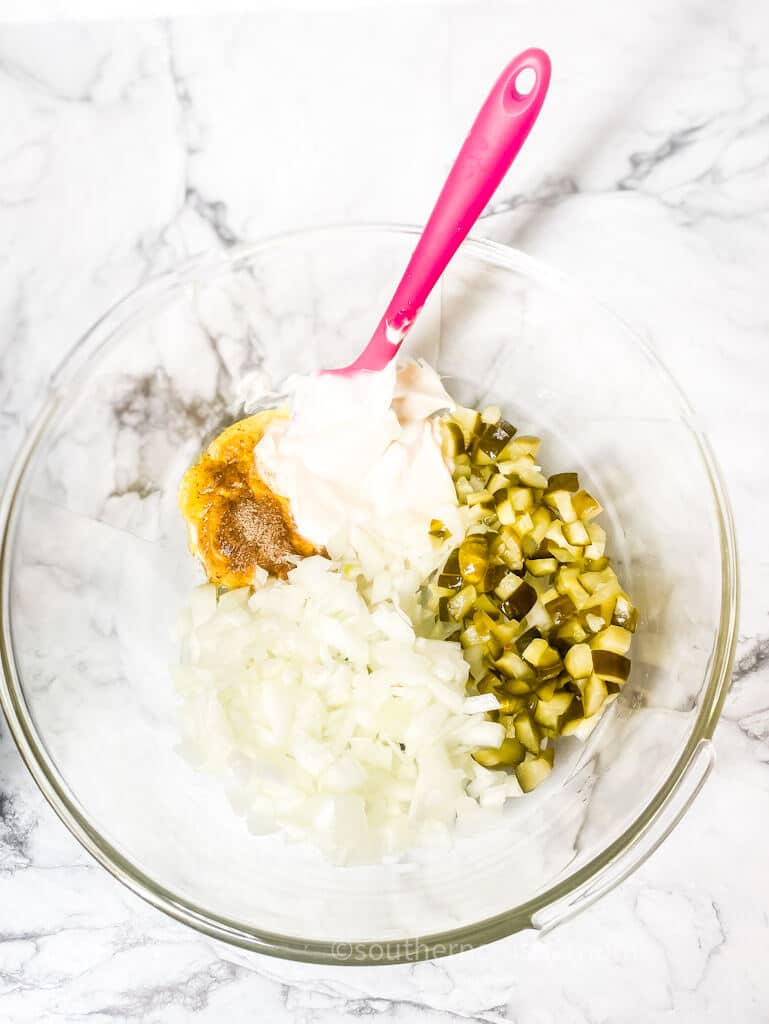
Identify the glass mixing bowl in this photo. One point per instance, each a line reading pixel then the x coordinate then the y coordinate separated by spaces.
pixel 95 569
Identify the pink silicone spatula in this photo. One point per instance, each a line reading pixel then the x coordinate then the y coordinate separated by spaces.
pixel 499 131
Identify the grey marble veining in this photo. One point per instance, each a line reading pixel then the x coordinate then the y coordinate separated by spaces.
pixel 128 146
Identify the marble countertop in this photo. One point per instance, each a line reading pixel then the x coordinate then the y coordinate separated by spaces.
pixel 128 145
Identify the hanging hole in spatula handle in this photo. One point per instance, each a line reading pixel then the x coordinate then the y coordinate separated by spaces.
pixel 526 80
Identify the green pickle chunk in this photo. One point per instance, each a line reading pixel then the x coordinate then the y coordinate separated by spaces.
pixel 544 622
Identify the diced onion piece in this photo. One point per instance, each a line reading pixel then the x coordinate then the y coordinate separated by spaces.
pixel 328 716
pixel 481 702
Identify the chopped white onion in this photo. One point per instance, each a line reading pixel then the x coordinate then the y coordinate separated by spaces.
pixel 481 702
pixel 329 717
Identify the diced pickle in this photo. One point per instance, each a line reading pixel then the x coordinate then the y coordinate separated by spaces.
pixel 613 638
pixel 524 639
pixel 497 482
pixel 453 440
pixel 578 661
pixel 461 603
pixel 487 756
pixel 494 648
pixel 555 533
pixel 474 558
pixel 523 524
pixel 529 546
pixel 563 482
pixel 451 565
pixel 450 581
pixel 531 476
pixel 593 622
pixel 510 752
pixel 561 503
pixel 541 566
pixel 493 438
pixel 438 529
pixel 510 704
pixel 567 582
pixel 505 511
pixel 577 726
pixel 596 564
pixel 504 631
pixel 611 667
pixel 521 498
pixel 548 712
pixel 602 601
pixel 566 555
pixel 597 545
pixel 522 464
pixel 521 444
pixel 531 773
pixel 482 497
pixel 462 466
pixel 585 505
pixel 483 603
pixel 576 533
pixel 560 608
pixel 571 632
pixel 548 689
pixel 482 622
pixel 470 637
pixel 489 684
pixel 542 619
pixel 550 670
pixel 507 718
pixel 469 420
pixel 507 549
pixel 492 577
pixel 475 656
pixel 509 582
pixel 514 667
pixel 519 687
pixel 491 414
pixel 540 654
pixel 463 487
pixel 594 693
pixel 625 614
pixel 536 650
pixel 594 581
pixel 527 731
pixel 520 602
pixel 542 519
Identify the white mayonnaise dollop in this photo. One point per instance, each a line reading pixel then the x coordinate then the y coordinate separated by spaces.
pixel 360 463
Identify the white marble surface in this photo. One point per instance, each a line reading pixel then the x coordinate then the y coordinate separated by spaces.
pixel 127 145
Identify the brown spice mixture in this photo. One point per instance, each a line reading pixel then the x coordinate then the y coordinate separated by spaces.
pixel 236 524
pixel 253 531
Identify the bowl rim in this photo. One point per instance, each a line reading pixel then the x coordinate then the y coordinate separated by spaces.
pixel 234 933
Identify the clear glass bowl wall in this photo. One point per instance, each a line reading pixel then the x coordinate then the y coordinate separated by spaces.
pixel 95 569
